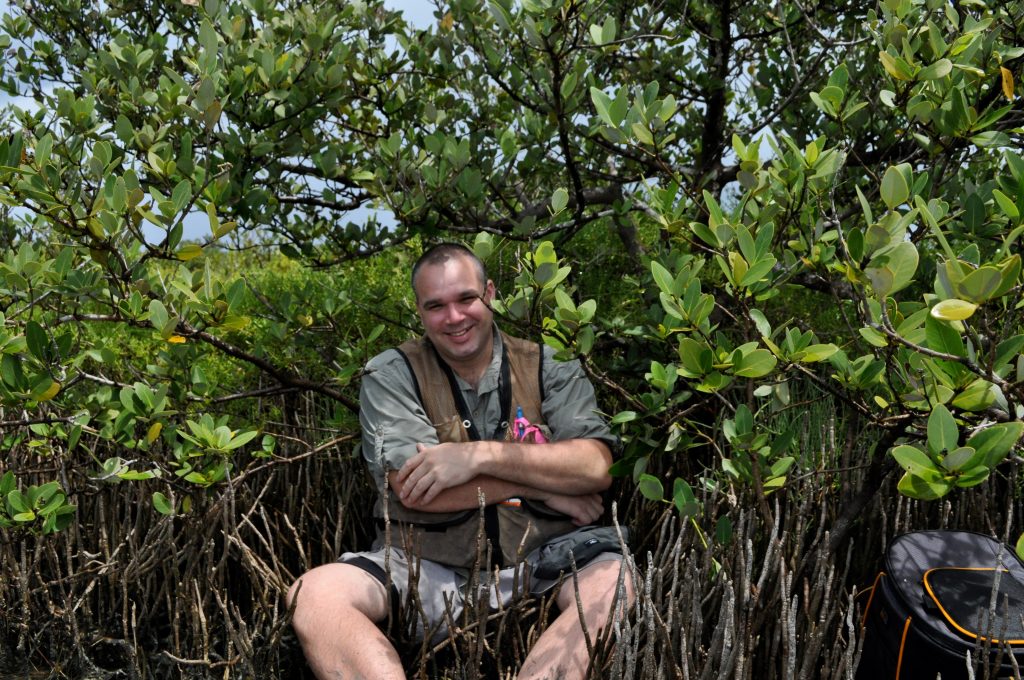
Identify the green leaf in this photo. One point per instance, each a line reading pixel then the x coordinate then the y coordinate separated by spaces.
pixel 941 337
pixel 914 460
pixel 705 234
pixel 17 501
pixel 7 484
pixel 892 269
pixel 815 353
pixel 695 358
pixel 683 498
pixel 757 364
pixel 45 389
pixel 1007 350
pixel 501 15
pixel 963 458
pixel 663 277
pixel 922 489
pixel 608 30
pixel 568 85
pixel 241 439
pixel 651 487
pixel 782 465
pixel 642 133
pixel 895 66
pixel 1020 547
pixel 933 224
pixel 603 105
pixel 162 504
pixel 189 251
pixel 623 417
pixel 51 504
pixel 758 270
pixel 158 315
pixel 181 195
pixel 939 69
pixel 235 322
pixel 1007 205
pixel 995 441
pixel 44 146
pixel 895 190
pixel 881 279
pixel 953 310
pixel 943 433
pixel 873 337
pixel 973 476
pixel 980 284
pixel 37 339
pixel 761 323
pixel 716 217
pixel 991 139
pixel 1009 272
pixel 559 200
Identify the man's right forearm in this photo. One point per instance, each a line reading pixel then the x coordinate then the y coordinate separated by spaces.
pixel 583 509
pixel 467 496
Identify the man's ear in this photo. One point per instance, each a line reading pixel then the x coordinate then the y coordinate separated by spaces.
pixel 489 292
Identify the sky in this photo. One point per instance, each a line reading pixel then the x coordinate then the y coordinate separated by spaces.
pixel 419 13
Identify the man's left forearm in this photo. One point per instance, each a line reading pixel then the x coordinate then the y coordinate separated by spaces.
pixel 574 466
pixel 583 509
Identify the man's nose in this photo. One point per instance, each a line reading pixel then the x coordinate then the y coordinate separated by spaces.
pixel 454 314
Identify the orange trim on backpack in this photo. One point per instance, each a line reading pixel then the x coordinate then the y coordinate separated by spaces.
pixel 903 642
pixel 946 615
pixel 871 598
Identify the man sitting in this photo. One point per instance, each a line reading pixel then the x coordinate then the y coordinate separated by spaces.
pixel 441 437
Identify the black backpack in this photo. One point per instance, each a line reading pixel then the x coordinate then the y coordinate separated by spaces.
pixel 930 606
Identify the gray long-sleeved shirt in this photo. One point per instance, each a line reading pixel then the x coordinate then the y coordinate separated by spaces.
pixel 393 420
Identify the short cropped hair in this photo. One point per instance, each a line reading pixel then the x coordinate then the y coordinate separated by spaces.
pixel 441 253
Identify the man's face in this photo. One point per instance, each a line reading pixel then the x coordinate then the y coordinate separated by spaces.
pixel 454 306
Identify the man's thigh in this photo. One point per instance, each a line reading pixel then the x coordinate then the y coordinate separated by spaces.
pixel 432 592
pixel 598 583
pixel 335 587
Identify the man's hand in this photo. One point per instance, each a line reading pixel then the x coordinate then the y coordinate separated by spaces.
pixel 583 510
pixel 434 469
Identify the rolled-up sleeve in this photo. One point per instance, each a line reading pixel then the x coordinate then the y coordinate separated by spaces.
pixel 570 406
pixel 392 419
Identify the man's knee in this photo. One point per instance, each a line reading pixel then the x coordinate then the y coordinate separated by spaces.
pixel 600 586
pixel 331 592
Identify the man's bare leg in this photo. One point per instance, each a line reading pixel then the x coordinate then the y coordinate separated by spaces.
pixel 561 651
pixel 336 620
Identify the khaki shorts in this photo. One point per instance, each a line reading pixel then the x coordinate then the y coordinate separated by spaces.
pixel 442 590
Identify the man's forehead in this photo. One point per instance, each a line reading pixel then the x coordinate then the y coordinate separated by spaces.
pixel 450 293
pixel 454 280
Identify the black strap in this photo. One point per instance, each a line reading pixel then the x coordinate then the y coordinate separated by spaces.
pixel 462 517
pixel 492 526
pixel 415 380
pixel 540 372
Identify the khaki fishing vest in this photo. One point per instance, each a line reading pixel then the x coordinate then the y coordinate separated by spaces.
pixel 461 539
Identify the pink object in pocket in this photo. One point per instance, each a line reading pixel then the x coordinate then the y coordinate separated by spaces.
pixel 525 432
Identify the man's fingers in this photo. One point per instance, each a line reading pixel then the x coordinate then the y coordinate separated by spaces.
pixel 412 465
pixel 414 488
pixel 430 494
